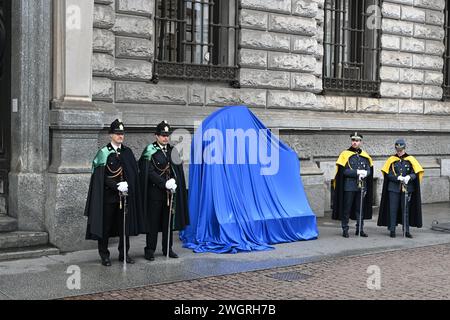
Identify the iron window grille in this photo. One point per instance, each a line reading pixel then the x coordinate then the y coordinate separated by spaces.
pixel 351 47
pixel 197 40
pixel 446 84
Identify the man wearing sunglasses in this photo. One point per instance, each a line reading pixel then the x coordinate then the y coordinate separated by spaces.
pixel 113 191
pixel 353 185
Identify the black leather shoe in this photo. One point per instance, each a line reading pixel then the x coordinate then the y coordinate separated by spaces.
pixel 129 260
pixel 345 234
pixel 408 235
pixel 392 235
pixel 363 234
pixel 171 254
pixel 149 256
pixel 106 262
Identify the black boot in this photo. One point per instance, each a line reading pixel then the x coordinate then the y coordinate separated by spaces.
pixel 392 235
pixel 171 254
pixel 106 262
pixel 345 233
pixel 129 259
pixel 363 234
pixel 149 255
pixel 408 235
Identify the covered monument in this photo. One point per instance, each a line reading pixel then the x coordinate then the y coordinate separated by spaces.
pixel 245 190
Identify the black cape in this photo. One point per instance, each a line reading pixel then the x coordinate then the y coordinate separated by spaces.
pixel 415 206
pixel 135 222
pixel 338 197
pixel 180 199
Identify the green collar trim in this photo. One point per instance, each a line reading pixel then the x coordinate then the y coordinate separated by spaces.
pixel 150 151
pixel 101 158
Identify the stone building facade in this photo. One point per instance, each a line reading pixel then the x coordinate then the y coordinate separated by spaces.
pixel 78 65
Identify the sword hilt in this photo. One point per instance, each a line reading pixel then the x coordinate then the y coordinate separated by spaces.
pixel 122 195
pixel 361 184
pixel 404 187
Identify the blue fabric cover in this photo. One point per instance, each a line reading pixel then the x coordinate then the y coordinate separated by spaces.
pixel 233 207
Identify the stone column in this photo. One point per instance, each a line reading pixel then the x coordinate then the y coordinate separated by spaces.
pixel 74 124
pixel 73 50
pixel 31 85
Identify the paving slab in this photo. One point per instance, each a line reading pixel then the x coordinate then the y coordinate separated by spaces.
pixel 418 273
pixel 46 277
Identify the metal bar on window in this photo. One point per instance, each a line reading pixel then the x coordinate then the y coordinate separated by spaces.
pixel 202 22
pixel 345 27
pixel 228 20
pixel 161 29
pixel 236 32
pixel 169 23
pixel 181 27
pixel 351 50
pixel 361 27
pixel 186 34
pixel 337 41
pixel 211 32
pixel 446 84
pixel 193 33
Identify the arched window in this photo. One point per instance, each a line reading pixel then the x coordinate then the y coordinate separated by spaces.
pixel 196 39
pixel 352 47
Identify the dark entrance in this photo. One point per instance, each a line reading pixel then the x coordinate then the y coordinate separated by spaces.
pixel 5 99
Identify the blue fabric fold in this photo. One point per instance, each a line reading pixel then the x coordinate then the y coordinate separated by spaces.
pixel 233 206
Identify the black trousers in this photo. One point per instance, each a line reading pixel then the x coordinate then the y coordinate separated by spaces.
pixel 351 198
pixel 396 201
pixel 159 219
pixel 112 223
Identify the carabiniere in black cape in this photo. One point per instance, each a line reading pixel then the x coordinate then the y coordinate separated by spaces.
pixel 135 222
pixel 181 209
pixel 338 197
pixel 414 208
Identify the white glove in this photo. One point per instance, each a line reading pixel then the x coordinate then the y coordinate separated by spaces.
pixel 170 184
pixel 406 179
pixel 362 173
pixel 401 178
pixel 173 190
pixel 122 186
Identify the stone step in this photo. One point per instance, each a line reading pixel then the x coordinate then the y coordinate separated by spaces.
pixel 20 239
pixel 7 224
pixel 27 252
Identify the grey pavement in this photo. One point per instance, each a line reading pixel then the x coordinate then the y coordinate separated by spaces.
pixel 46 277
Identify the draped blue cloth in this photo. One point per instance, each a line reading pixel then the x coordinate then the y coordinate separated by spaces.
pixel 233 207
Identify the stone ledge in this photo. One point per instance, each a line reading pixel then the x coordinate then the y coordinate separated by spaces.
pixel 288 119
pixel 75 115
pixel 28 253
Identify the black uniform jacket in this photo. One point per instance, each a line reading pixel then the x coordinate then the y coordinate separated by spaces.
pixel 155 169
pixel 103 189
